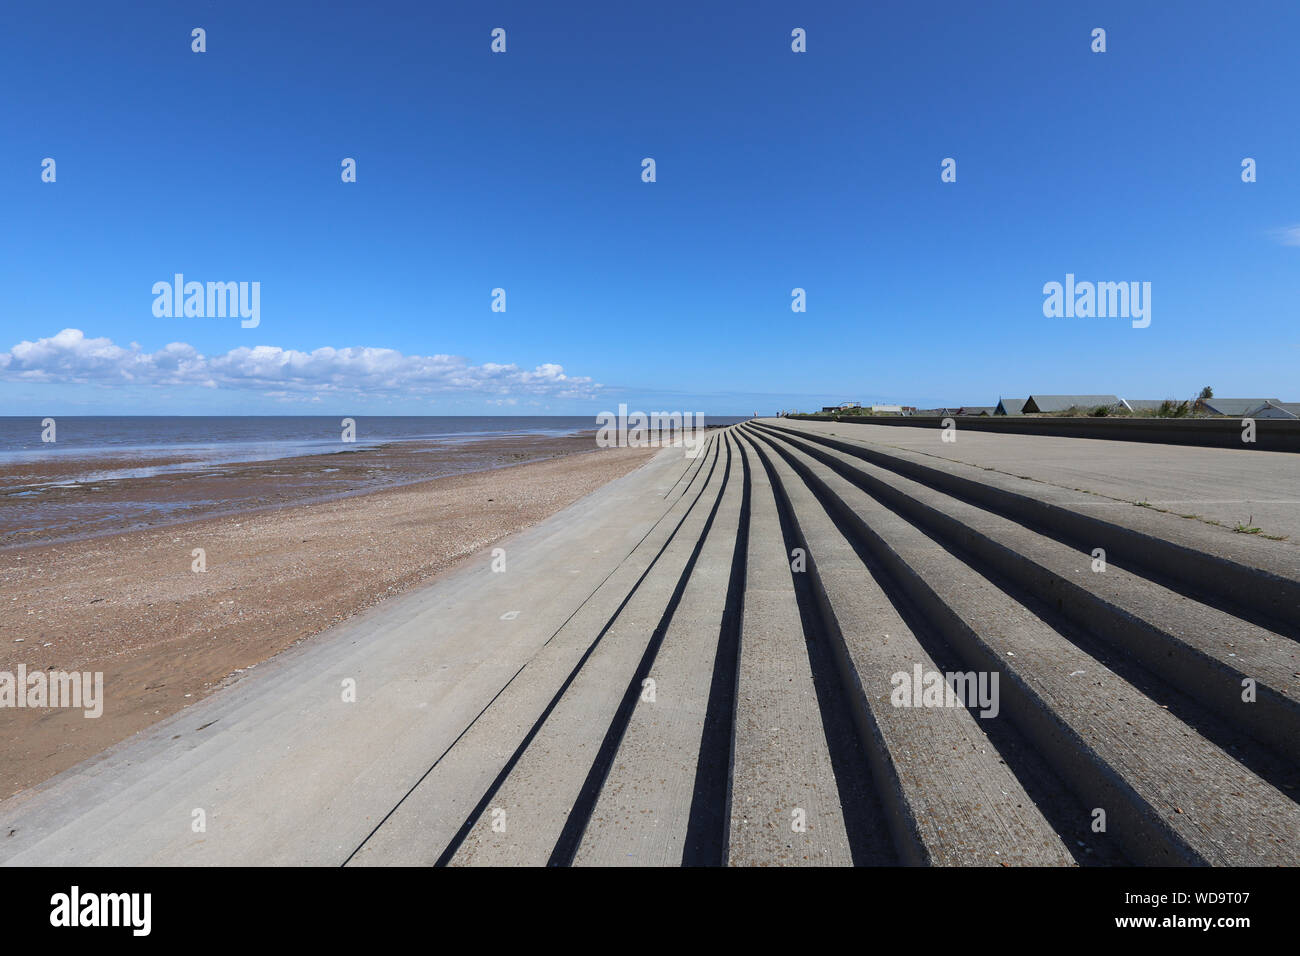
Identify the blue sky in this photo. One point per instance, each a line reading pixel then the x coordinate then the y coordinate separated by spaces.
pixel 522 171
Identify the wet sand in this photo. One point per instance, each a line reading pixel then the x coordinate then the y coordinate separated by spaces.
pixel 312 551
pixel 79 496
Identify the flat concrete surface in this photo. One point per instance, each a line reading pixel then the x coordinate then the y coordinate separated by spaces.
pixel 1225 485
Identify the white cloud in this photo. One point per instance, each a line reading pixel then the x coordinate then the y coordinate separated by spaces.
pixel 1288 235
pixel 70 357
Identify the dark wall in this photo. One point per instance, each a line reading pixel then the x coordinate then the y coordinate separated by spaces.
pixel 1270 434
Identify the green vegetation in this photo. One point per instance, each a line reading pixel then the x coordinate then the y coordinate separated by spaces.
pixel 1169 408
pixel 1086 411
pixel 1247 528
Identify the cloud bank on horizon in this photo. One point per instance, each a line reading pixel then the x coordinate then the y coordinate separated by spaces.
pixel 71 358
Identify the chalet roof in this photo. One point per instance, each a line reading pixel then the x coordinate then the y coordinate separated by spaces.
pixel 1010 406
pixel 1236 407
pixel 1060 403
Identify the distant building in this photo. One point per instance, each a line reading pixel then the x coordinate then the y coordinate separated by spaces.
pixel 976 410
pixel 1010 406
pixel 1236 407
pixel 1060 403
pixel 1272 409
pixel 1146 404
pixel 886 409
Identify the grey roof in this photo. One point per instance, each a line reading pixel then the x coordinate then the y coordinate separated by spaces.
pixel 1236 407
pixel 1010 406
pixel 976 410
pixel 1273 409
pixel 1059 403
pixel 1147 404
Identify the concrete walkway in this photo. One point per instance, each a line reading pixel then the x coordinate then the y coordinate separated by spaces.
pixel 1230 486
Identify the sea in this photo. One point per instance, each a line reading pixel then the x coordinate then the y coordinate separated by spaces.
pixel 205 441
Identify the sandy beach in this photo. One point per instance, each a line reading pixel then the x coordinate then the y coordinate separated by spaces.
pixel 301 551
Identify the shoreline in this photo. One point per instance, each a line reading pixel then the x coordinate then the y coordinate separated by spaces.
pixel 35 510
pixel 128 603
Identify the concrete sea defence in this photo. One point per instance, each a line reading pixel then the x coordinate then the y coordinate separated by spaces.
pixel 800 648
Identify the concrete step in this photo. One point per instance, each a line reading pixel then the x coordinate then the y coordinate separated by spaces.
pixel 951 798
pixel 1169 795
pixel 660 796
pixel 1253 580
pixel 1203 651
pixel 426 822
pixel 523 819
pixel 786 805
